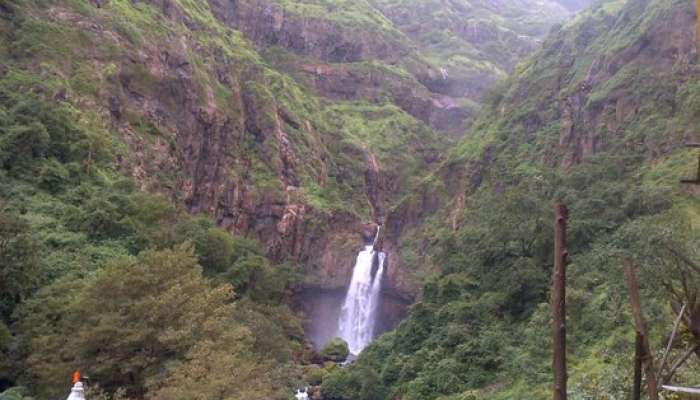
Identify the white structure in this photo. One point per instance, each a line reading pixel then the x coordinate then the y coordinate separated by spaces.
pixel 77 392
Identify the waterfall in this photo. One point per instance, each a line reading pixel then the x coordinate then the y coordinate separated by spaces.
pixel 302 395
pixel 358 314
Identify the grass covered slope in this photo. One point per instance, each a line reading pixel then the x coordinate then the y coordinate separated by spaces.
pixel 196 113
pixel 152 163
pixel 476 42
pixel 432 59
pixel 85 256
pixel 597 119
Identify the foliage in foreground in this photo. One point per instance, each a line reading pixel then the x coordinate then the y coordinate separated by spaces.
pixel 145 322
pixel 95 275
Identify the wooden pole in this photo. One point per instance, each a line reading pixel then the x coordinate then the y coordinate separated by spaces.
pixel 635 303
pixel 561 215
pixel 638 356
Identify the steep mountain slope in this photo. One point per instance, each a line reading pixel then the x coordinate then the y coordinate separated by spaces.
pixel 289 129
pixel 432 59
pixel 474 43
pixel 200 116
pixel 98 275
pixel 216 105
pixel 597 119
pixel 120 118
pixel 600 85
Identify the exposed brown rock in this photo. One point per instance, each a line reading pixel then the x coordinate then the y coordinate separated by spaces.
pixel 268 24
pixel 357 82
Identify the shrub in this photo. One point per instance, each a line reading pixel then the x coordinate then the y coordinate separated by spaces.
pixel 352 384
pixel 15 393
pixel 315 375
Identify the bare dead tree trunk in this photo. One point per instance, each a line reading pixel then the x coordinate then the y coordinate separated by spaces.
pixel 638 356
pixel 669 346
pixel 561 215
pixel 680 361
pixel 635 303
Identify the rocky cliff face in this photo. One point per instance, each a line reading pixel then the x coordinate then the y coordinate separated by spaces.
pixel 310 29
pixel 597 86
pixel 292 122
pixel 471 44
pixel 374 63
pixel 334 43
pixel 387 58
pixel 199 116
pixel 375 83
pixel 606 100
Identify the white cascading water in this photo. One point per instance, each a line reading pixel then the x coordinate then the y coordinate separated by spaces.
pixel 302 395
pixel 358 315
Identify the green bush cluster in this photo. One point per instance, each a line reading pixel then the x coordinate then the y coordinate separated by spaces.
pixel 352 384
pixel 484 318
pixel 98 276
pixel 482 328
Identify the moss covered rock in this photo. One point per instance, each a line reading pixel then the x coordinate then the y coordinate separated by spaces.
pixel 335 350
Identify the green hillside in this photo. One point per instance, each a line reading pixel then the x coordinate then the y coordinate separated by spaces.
pixel 596 119
pixel 177 178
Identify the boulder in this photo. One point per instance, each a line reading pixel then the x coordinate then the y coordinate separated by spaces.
pixel 335 350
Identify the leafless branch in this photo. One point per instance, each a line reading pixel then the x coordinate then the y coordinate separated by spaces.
pixel 676 324
pixel 680 362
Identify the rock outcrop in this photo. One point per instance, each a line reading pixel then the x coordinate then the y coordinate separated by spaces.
pixel 306 29
pixel 598 86
pixel 388 56
pixel 241 110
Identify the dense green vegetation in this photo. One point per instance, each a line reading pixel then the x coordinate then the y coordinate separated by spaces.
pixel 476 41
pixel 482 328
pixel 112 111
pixel 484 318
pixel 87 72
pixel 101 277
pixel 98 274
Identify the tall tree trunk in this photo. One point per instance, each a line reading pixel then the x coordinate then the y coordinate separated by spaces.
pixel 635 303
pixel 561 215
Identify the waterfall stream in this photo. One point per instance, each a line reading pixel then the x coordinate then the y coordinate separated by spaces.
pixel 356 324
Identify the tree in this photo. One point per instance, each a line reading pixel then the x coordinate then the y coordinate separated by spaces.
pixel 20 144
pixel 19 265
pixel 32 129
pixel 357 384
pixel 135 320
pixel 217 368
